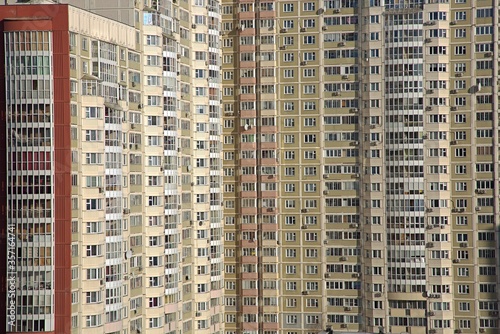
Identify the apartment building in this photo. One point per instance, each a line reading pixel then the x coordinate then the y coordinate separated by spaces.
pixel 112 194
pixel 360 166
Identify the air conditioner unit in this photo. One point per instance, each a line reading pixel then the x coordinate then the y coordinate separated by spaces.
pixel 458 75
pixel 430 244
pixel 443 226
pixel 481 330
pixel 373 126
pixel 336 10
pixel 355 143
pixel 478 208
pixel 453 108
pixel 428 40
pixel 132 126
pixel 327 275
pixel 480 191
pixel 494 313
pixel 454 210
pixel 453 142
pixel 345 76
pixel 432 331
pixel 430 91
pixel 325 192
pixel 488 54
pixel 353 225
pixel 302 29
pixel 304 227
pixel 303 63
pixel 429 23
pixel 324 28
pixel 179 56
pixel 356 176
pixel 283 30
pixel 424 137
pixel 325 242
pixel 428 108
pixel 452 23
pixel 326 176
pixel 378 294
pixel 193 26
pixel 456 261
pixel 283 47
pixel 198 314
pixel 356 275
pixel 343 325
pixel 101 190
pixel 431 314
pixel 305 293
pixel 429 210
pixel 430 227
pixel 341 44
pixel 343 258
pixel 354 110
pixel 373 143
pixel 458 331
pixel 453 91
pixel 463 244
pixel 126 211
pixel 347 308
pixel 305 210
pixel 335 94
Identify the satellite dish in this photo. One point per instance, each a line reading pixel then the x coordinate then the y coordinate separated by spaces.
pixel 128 254
pixel 479 87
pixel 246 126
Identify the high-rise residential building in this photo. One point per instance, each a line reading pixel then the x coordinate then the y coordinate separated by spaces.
pixel 111 201
pixel 360 166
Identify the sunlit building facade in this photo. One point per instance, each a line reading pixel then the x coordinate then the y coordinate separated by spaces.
pixel 112 139
pixel 360 149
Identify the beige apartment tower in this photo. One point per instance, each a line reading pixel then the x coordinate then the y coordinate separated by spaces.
pixel 360 166
pixel 114 203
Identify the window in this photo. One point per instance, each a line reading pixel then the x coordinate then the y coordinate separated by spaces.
pixel 94 250
pixel 463 289
pixel 288 57
pixel 309 39
pixel 289 122
pixel 93 204
pixel 93 297
pixel 460 16
pixel 288 7
pixel 93 320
